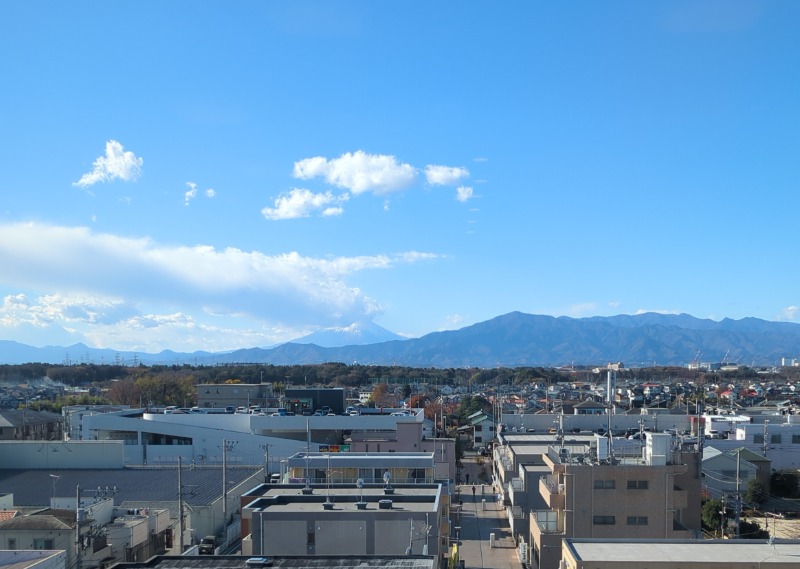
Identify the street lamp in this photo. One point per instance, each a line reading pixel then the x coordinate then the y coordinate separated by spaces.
pixel 265 448
pixel 55 478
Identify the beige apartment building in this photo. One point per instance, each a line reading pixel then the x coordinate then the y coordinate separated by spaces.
pixel 593 492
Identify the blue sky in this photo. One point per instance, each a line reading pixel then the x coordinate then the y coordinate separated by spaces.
pixel 220 175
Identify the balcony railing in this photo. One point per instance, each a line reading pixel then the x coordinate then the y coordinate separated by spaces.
pixel 549 521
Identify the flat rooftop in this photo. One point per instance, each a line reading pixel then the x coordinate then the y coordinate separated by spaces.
pixel 660 553
pixel 291 499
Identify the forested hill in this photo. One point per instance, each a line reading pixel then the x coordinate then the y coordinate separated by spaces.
pixel 514 339
pixel 518 339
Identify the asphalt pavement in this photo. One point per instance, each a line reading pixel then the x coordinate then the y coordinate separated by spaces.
pixel 480 518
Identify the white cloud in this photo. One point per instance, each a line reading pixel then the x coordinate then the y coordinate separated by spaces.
pixel 464 193
pixel 116 164
pixel 191 193
pixel 358 172
pixel 582 309
pixel 332 211
pixel 302 203
pixel 656 311
pixel 416 256
pixel 453 322
pixel 444 175
pixel 64 308
pixel 791 312
pixel 105 279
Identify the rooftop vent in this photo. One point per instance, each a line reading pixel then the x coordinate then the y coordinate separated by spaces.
pixel 384 504
pixel 258 562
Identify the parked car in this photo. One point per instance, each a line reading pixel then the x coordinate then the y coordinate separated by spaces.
pixel 207 545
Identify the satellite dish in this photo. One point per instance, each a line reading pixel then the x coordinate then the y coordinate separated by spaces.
pixel 360 482
pixel 386 476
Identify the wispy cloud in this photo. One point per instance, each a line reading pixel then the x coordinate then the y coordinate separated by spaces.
pixel 191 193
pixel 582 309
pixel 95 271
pixel 444 175
pixel 117 163
pixel 300 202
pixel 358 172
pixel 656 311
pixel 791 312
pixel 464 194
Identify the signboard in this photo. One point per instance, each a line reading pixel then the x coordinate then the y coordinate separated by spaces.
pixel 334 448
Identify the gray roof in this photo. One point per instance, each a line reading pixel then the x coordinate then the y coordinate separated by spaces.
pixel 202 485
pixel 16 418
pixel 305 562
pixel 37 522
pixel 698 552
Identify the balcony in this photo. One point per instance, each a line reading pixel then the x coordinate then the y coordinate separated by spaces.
pixel 548 521
pixel 552 492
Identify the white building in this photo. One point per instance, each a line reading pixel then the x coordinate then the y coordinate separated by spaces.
pixel 157 438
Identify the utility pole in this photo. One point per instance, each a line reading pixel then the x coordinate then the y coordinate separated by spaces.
pixel 226 446
pixel 180 506
pixel 78 520
pixel 265 448
pixel 738 493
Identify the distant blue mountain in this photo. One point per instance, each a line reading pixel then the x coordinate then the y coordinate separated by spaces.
pixel 514 339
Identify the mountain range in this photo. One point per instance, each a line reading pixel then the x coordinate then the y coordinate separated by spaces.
pixel 511 340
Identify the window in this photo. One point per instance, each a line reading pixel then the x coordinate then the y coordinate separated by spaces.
pixel 12 543
pixel 728 474
pixel 604 520
pixel 310 538
pixel 637 520
pixel 795 439
pixel 417 474
pixel 775 439
pixel 478 428
pixel 758 439
pixel 637 485
pixel 42 543
pixel 604 484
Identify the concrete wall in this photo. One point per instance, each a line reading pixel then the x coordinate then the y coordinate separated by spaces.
pixel 62 540
pixel 28 455
pixel 343 533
